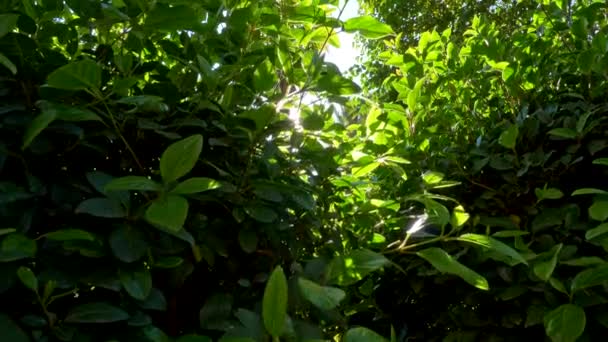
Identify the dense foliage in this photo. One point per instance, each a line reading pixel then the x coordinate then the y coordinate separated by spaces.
pixel 195 171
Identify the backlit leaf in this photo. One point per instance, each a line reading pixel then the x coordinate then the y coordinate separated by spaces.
pixel 274 305
pixel 493 244
pixel 508 138
pixel 368 26
pixel 195 185
pixel 445 263
pixel 180 157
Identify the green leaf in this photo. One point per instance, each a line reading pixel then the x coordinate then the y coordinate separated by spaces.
pixel 368 26
pixel 544 269
pixel 566 323
pixel 155 301
pixel 589 278
pixel 193 338
pixel 589 191
pixel 459 217
pixel 365 170
pixel 563 133
pixel 248 240
pixel 445 263
pixel 10 331
pixel 98 312
pixel 492 244
pixel 323 297
pixel 601 161
pixel 70 234
pixel 137 282
pixel 352 267
pixel 361 334
pixel 37 125
pixel 432 177
pixel 509 233
pixel 507 73
pixel 180 157
pixel 137 183
pixel 68 113
pixel 28 278
pixel 169 212
pixel 17 246
pixel 264 76
pixel 171 19
pixel 5 231
pixel 508 138
pixel 168 262
pixel 101 207
pixel 599 210
pixel 274 304
pixel 261 213
pixel 558 285
pixel 195 185
pixel 337 84
pixel 550 193
pixel 7 63
pixel 128 244
pixel 80 75
pixel 8 22
pixel 597 231
pixel 584 261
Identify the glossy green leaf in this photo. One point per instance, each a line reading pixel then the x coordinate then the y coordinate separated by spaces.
pixel 96 313
pixel 137 282
pixel 180 157
pixel 28 278
pixel 566 323
pixel 80 75
pixel 195 185
pixel 368 26
pixel 494 245
pixel 361 334
pixel 101 207
pixel 323 297
pixel 550 193
pixel 168 212
pixel 445 263
pixel 432 177
pixel 590 277
pixel 545 267
pixel 508 138
pixel 599 210
pixel 137 183
pixel 37 125
pixel 68 113
pixel 70 234
pixel 274 306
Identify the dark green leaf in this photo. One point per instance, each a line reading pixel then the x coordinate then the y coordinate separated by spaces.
pixel 508 138
pixel 597 231
pixel 128 244
pixel 80 75
pixel 101 207
pixel 368 26
pixel 584 261
pixel 566 323
pixel 37 125
pixel 7 63
pixel 138 183
pixel 195 185
pixel 261 213
pixel 589 278
pixel 599 210
pixel 445 263
pixel 248 239
pixel 169 212
pixel 563 133
pixel 28 278
pixel 8 22
pixel 194 338
pixel 155 301
pixel 137 282
pixel 10 331
pixel 96 313
pixel 170 19
pixel 494 245
pixel 274 306
pixel 548 260
pixel 361 334
pixel 70 234
pixel 180 157
pixel 323 297
pixel 15 247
